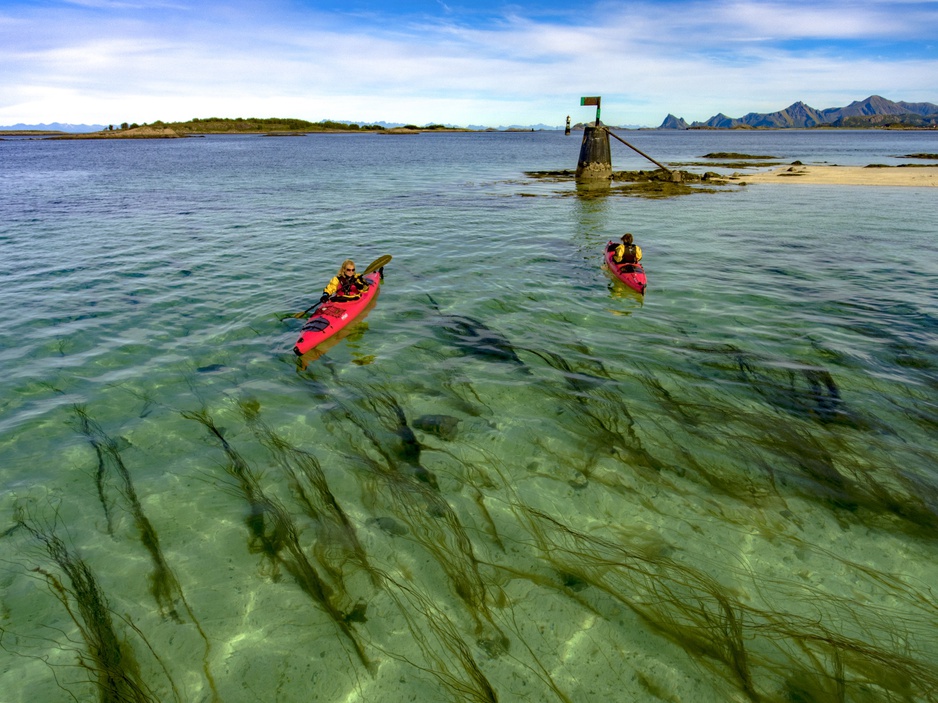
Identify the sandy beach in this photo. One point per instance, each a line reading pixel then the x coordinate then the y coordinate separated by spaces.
pixel 917 176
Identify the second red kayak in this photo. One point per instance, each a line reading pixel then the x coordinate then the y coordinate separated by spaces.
pixel 332 317
pixel 632 275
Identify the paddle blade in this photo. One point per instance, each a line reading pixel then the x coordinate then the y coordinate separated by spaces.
pixel 306 312
pixel 376 264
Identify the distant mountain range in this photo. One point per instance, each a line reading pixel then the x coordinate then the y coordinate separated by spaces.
pixel 56 127
pixel 875 111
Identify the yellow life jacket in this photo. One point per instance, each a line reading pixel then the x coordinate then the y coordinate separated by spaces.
pixel 630 254
pixel 348 287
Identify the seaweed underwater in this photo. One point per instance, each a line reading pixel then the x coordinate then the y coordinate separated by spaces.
pixel 446 655
pixel 604 422
pixel 107 655
pixel 164 585
pixel 437 528
pixel 337 538
pixel 446 605
pixel 417 501
pixel 273 533
pixel 762 652
pixel 803 443
pixel 473 558
pixel 106 651
pixel 765 652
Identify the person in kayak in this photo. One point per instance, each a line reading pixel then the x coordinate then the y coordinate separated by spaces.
pixel 345 285
pixel 627 252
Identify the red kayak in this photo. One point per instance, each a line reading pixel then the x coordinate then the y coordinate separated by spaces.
pixel 332 317
pixel 632 275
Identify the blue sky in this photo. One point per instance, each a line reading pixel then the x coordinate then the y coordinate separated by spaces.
pixel 468 62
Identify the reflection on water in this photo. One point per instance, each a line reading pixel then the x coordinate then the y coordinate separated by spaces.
pixel 518 480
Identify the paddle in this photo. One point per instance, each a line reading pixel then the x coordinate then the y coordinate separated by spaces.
pixel 376 264
pixel 372 267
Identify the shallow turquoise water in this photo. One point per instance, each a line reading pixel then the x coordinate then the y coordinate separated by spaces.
pixel 725 491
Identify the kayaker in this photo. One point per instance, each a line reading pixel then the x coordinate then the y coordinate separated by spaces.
pixel 345 285
pixel 627 252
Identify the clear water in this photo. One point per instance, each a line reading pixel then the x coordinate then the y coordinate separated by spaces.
pixel 725 491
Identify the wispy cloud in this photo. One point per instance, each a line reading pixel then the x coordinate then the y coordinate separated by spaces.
pixel 103 61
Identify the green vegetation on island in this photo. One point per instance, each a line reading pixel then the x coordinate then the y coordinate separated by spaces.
pixel 269 126
pixel 241 125
pixel 256 125
pixel 273 125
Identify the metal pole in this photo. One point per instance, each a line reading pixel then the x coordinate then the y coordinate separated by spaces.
pixel 665 168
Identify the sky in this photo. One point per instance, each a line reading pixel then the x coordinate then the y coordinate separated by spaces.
pixel 456 62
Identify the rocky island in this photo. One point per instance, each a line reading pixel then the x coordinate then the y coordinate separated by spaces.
pixel 272 126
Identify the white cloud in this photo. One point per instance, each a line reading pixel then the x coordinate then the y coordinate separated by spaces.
pixel 647 59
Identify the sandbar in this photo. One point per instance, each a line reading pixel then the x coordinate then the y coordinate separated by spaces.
pixel 917 176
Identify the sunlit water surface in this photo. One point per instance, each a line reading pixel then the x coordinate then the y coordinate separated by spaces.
pixel 515 480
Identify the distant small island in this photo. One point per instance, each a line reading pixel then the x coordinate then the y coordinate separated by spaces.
pixel 271 126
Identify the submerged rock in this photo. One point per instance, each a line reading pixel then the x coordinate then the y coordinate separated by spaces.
pixel 443 426
pixel 388 525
